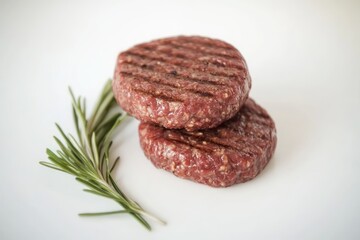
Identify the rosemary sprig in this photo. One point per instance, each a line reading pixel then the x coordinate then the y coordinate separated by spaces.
pixel 88 158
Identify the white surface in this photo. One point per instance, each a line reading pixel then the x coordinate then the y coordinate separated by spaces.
pixel 304 58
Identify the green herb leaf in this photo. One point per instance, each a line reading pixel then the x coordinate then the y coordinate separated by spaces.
pixel 88 157
pixel 103 213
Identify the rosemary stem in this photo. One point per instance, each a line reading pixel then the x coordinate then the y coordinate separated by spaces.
pixel 88 158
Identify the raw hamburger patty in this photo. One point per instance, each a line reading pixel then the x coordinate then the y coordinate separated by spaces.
pixel 182 82
pixel 234 152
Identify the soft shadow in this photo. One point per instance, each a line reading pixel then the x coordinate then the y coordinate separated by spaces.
pixel 123 131
pixel 294 126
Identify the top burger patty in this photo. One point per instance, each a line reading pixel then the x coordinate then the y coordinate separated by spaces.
pixel 182 82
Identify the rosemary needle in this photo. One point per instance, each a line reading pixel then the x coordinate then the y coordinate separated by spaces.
pixel 103 213
pixel 87 157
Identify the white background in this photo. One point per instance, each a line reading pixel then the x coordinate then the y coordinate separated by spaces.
pixel 304 58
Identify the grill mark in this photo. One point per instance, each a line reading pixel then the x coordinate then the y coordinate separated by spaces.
pixel 205 42
pixel 199 147
pixel 261 115
pixel 263 122
pixel 160 96
pixel 213 42
pixel 194 53
pixel 239 139
pixel 202 58
pixel 179 75
pixel 247 133
pixel 253 117
pixel 208 139
pixel 250 121
pixel 214 68
pixel 202 93
pixel 242 142
pixel 144 56
pixel 149 71
pixel 250 116
pixel 235 129
pixel 204 51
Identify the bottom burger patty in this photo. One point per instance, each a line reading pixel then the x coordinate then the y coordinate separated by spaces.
pixel 234 152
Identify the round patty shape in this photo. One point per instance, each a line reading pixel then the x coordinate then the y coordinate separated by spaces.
pixel 182 82
pixel 234 152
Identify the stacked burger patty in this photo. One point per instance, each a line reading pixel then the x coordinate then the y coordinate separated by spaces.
pixel 191 95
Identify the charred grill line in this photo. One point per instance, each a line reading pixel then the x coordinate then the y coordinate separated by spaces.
pixel 206 43
pixel 152 80
pixel 160 96
pixel 199 147
pixel 204 52
pixel 181 55
pixel 166 55
pixel 177 76
pixel 159 59
pixel 197 53
pixel 232 133
pixel 198 144
pixel 200 139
